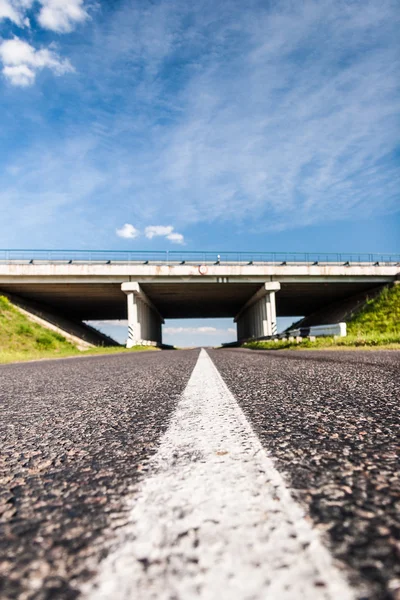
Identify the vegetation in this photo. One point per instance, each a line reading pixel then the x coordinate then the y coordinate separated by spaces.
pixel 381 315
pixel 350 341
pixel 376 324
pixel 22 339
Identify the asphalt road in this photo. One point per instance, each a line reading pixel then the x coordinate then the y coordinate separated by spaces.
pixel 331 420
pixel 77 435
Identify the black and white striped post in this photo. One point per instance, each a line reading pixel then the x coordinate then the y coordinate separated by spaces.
pixel 131 341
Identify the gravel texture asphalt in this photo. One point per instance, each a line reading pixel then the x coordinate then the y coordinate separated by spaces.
pixel 76 435
pixel 213 519
pixel 331 422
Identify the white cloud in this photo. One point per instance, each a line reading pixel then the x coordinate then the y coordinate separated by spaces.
pixel 202 332
pixel 158 230
pixel 151 231
pixel 170 330
pixel 180 335
pixel 61 15
pixel 20 75
pixel 56 15
pixel 15 11
pixel 21 62
pixel 191 330
pixel 113 323
pixel 176 238
pixel 166 231
pixel 127 231
pixel 280 119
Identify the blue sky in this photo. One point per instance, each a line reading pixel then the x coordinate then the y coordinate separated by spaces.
pixel 207 125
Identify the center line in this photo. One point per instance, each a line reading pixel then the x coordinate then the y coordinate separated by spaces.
pixel 214 518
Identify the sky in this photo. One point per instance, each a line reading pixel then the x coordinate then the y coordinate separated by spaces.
pixel 154 125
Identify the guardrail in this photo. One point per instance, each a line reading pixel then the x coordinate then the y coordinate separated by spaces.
pixel 196 257
pixel 336 329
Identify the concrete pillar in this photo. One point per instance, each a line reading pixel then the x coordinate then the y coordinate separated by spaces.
pixel 260 319
pixel 144 320
pixel 247 324
pixel 269 322
pixel 257 318
pixel 252 313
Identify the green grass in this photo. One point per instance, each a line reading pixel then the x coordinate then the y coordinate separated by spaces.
pixel 381 315
pixel 22 339
pixel 376 324
pixel 384 341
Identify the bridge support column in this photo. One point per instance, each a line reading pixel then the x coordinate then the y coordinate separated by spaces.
pixel 144 320
pixel 257 318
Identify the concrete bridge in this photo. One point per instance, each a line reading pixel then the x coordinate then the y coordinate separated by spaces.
pixel 148 287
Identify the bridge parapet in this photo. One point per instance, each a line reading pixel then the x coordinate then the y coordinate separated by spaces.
pixel 19 256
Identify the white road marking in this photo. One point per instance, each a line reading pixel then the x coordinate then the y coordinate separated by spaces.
pixel 214 519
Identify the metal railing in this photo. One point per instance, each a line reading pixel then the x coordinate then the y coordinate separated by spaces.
pixel 173 257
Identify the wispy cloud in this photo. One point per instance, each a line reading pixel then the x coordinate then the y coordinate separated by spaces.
pixel 282 117
pixel 296 128
pixel 191 330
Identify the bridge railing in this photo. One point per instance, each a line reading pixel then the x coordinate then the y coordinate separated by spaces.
pixel 169 257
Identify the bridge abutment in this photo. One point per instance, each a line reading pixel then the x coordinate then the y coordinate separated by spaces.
pixel 257 318
pixel 144 320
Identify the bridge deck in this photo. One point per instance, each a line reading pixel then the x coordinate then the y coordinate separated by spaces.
pixel 91 289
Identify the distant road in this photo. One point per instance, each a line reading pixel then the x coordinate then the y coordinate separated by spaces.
pixel 99 452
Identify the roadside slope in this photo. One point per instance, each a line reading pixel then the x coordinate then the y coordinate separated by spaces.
pixel 23 339
pixel 375 323
pixel 380 314
pixel 20 337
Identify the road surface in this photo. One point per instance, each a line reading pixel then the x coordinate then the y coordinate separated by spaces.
pixel 229 474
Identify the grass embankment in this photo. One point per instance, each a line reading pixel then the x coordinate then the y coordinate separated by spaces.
pixel 376 324
pixel 22 339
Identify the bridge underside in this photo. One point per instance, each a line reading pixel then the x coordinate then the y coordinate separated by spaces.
pixel 147 294
pixel 106 301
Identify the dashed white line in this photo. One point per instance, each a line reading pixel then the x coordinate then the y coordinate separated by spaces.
pixel 214 519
